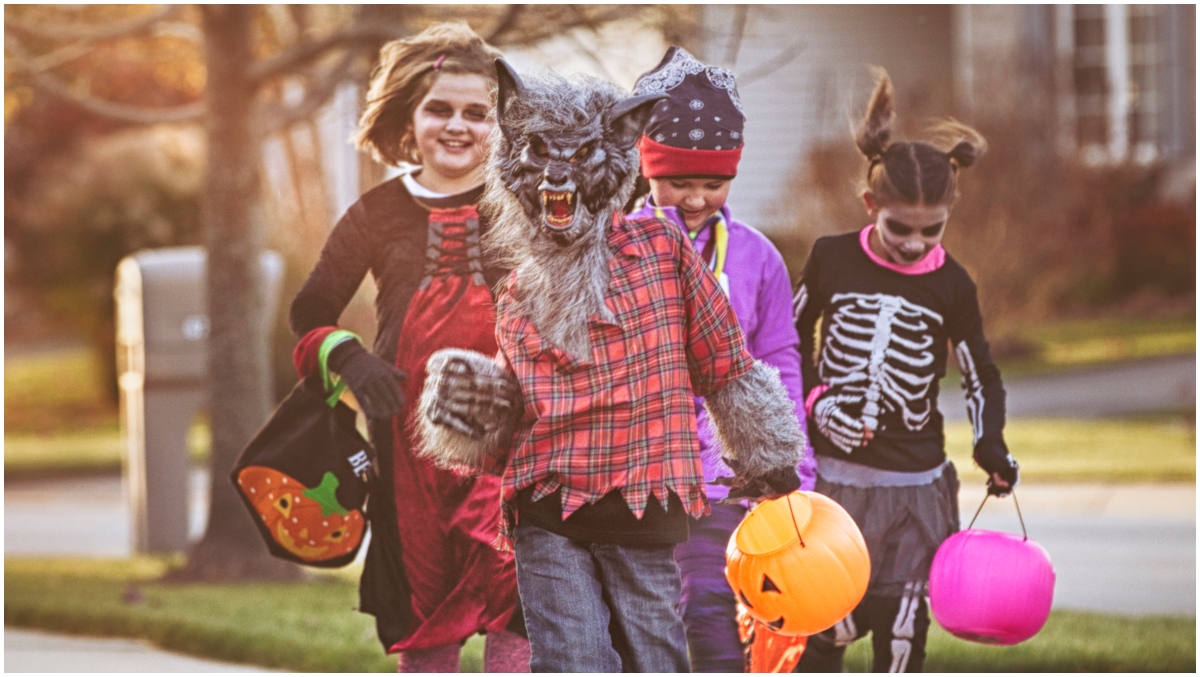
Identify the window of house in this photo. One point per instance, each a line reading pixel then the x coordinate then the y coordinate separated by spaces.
pixel 1117 66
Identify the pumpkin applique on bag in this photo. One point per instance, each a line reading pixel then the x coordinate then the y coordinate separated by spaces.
pixel 309 523
pixel 304 476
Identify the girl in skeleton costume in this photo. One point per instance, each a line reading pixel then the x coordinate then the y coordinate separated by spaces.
pixel 890 300
pixel 689 154
pixel 431 578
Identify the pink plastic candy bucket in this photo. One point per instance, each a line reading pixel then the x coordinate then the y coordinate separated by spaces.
pixel 991 587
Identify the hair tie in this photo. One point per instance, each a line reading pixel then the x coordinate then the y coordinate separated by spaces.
pixel 438 62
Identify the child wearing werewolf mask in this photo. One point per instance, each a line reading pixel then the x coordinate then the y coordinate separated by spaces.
pixel 689 153
pixel 890 300
pixel 607 326
pixel 431 578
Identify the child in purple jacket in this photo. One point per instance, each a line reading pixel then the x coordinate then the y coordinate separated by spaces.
pixel 689 154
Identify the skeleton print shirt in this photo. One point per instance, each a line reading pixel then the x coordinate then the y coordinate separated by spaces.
pixel 884 337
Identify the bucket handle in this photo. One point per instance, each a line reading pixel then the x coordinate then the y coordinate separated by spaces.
pixel 986 496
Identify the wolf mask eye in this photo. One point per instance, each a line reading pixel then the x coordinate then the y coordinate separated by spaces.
pixel 584 152
pixel 539 147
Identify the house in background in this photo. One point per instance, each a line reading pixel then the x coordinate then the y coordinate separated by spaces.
pixel 1112 83
pixel 1108 83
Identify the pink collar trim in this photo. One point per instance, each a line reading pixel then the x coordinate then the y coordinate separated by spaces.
pixel 935 259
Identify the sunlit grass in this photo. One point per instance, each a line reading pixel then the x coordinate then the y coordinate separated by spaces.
pixel 86 452
pixel 57 418
pixel 52 392
pixel 312 626
pixel 1080 343
pixel 1049 450
pixel 1073 450
pixel 1071 641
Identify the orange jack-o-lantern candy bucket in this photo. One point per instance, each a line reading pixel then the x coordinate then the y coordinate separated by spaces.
pixel 798 563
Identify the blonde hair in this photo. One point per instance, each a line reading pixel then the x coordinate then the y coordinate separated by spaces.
pixel 913 172
pixel 406 72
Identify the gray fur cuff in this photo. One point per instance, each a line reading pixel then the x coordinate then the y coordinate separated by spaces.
pixel 449 394
pixel 755 421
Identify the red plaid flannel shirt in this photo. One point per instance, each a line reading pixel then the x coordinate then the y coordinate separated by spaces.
pixel 624 417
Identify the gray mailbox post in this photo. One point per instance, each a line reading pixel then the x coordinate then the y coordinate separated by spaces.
pixel 162 341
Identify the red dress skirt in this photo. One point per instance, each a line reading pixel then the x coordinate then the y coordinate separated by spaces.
pixel 447 522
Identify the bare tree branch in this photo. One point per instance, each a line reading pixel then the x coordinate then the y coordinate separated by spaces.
pixel 783 58
pixel 58 57
pixel 277 118
pixel 355 37
pixel 507 22
pixel 138 114
pixel 179 29
pixel 579 19
pixel 740 13
pixel 116 29
pixel 592 56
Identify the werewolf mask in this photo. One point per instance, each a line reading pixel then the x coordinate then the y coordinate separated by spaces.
pixel 566 150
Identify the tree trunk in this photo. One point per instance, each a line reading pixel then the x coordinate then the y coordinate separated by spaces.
pixel 239 363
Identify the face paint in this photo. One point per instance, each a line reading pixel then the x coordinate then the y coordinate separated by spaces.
pixel 904 234
pixel 451 127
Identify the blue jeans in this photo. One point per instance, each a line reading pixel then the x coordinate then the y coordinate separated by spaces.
pixel 709 607
pixel 599 607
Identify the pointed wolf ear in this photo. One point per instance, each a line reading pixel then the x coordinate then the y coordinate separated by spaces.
pixel 628 118
pixel 509 87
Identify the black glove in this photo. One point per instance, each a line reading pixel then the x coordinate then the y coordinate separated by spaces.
pixel 374 382
pixel 773 484
pixel 994 458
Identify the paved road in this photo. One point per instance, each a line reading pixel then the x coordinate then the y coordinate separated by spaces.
pixel 1147 386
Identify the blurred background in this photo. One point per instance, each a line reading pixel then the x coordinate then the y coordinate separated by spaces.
pixel 1079 225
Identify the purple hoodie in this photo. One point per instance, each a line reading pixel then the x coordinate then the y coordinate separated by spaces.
pixel 761 295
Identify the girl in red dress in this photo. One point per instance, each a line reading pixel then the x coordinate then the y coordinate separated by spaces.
pixel 431 577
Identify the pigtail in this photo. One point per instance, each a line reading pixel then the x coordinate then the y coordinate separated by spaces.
pixel 966 145
pixel 875 131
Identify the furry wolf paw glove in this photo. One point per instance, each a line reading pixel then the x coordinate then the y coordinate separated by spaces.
pixel 470 407
pixel 774 483
pixel 374 382
pixel 760 437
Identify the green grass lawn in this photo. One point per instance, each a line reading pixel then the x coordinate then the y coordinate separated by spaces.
pixel 1049 450
pixel 1074 450
pixel 55 392
pixel 312 626
pixel 1079 342
pixel 94 451
pixel 58 421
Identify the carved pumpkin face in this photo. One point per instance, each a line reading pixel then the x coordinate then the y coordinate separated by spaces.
pixel 798 563
pixel 767 650
pixel 309 523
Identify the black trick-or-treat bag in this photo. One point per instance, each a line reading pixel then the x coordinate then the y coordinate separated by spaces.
pixel 304 476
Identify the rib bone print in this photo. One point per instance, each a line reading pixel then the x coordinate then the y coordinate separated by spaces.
pixel 877 354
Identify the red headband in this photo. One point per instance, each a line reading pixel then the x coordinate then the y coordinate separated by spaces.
pixel 659 160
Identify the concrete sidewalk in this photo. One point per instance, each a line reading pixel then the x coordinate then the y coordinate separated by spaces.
pixel 33 651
